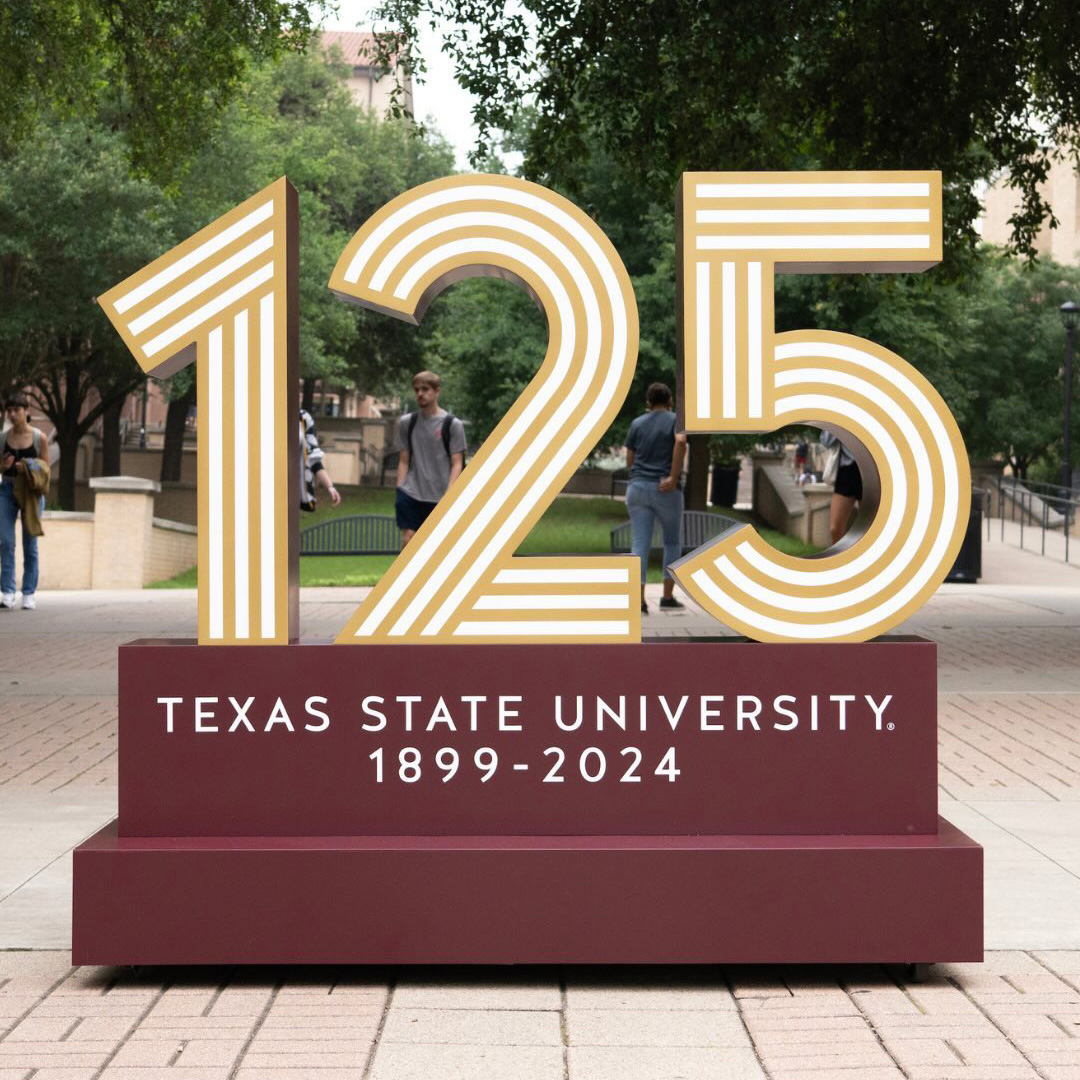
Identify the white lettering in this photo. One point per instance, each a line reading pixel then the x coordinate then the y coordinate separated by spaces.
pixel 879 710
pixel 441 715
pixel 407 700
pixel 617 718
pixel 241 714
pixel 674 720
pixel 777 707
pixel 707 712
pixel 568 725
pixel 312 711
pixel 207 714
pixel 506 713
pixel 279 715
pixel 472 702
pixel 842 700
pixel 169 702
pixel 747 708
pixel 368 711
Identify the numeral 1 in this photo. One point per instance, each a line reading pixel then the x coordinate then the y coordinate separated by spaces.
pixel 226 298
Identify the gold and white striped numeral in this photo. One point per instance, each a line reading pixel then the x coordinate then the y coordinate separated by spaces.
pixel 458 580
pixel 737 230
pixel 226 298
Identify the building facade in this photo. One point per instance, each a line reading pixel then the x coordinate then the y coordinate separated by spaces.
pixel 1062 191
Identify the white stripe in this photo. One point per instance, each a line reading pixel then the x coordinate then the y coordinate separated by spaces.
pixel 754 330
pixel 482 471
pixel 561 577
pixel 811 191
pixel 541 629
pixel 268 435
pixel 208 310
pixel 550 602
pixel 727 294
pixel 201 284
pixel 240 473
pixel 215 498
pixel 703 328
pixel 194 257
pixel 828 242
pixel 788 217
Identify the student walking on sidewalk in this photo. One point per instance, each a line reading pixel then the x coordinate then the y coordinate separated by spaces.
pixel 23 450
pixel 654 455
pixel 432 447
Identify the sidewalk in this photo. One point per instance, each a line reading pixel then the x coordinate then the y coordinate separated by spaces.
pixel 1009 775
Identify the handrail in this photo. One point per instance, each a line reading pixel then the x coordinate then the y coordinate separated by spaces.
pixel 1051 508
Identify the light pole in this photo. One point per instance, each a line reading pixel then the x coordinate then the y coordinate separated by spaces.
pixel 1070 314
pixel 142 426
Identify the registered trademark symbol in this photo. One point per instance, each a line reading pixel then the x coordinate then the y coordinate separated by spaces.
pixel 891 727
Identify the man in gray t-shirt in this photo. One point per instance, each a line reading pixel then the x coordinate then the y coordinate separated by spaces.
pixel 429 462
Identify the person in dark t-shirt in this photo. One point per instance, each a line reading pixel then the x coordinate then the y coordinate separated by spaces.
pixel 655 452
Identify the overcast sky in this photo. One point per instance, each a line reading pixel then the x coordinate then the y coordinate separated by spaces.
pixel 439 98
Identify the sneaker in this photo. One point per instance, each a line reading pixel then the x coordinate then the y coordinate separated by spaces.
pixel 670 602
pixel 7 600
pixel 28 602
pixel 644 608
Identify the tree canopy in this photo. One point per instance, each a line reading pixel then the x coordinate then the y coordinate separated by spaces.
pixel 161 71
pixel 667 86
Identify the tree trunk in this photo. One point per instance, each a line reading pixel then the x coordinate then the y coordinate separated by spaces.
pixel 110 438
pixel 172 455
pixel 697 473
pixel 68 441
pixel 307 402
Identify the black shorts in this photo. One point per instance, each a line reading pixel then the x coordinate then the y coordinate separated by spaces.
pixel 849 481
pixel 411 513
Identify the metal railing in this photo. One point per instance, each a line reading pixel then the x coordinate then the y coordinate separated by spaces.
pixel 1040 517
pixel 698 527
pixel 361 534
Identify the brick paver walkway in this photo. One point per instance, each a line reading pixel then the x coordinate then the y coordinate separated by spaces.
pixel 1009 774
pixel 1016 1017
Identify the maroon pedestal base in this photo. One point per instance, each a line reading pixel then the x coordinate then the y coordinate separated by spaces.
pixel 674 802
pixel 501 900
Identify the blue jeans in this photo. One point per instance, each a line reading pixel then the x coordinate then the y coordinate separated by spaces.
pixel 9 511
pixel 646 503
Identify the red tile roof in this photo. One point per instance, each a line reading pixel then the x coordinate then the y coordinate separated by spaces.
pixel 357 46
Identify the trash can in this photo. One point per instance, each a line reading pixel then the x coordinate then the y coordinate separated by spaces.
pixel 725 485
pixel 968 565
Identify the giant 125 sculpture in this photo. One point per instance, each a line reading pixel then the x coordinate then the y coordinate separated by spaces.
pixel 499 734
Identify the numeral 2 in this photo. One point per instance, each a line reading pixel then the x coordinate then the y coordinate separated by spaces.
pixel 458 581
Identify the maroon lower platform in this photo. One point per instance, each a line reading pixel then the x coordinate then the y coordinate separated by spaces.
pixel 503 900
pixel 671 802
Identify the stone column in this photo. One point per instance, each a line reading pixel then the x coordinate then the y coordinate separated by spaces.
pixel 123 520
pixel 816 520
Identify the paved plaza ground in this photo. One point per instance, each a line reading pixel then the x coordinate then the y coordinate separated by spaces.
pixel 1009 710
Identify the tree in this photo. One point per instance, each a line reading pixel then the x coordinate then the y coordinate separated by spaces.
pixel 1017 346
pixel 666 86
pixel 295 117
pixel 162 70
pixel 72 222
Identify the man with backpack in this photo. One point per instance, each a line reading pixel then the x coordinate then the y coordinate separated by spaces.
pixel 431 443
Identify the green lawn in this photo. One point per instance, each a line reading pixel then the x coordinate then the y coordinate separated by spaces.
pixel 571 524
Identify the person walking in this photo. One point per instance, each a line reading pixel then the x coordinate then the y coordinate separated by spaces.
pixel 313 472
pixel 23 445
pixel 655 452
pixel 847 487
pixel 431 443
